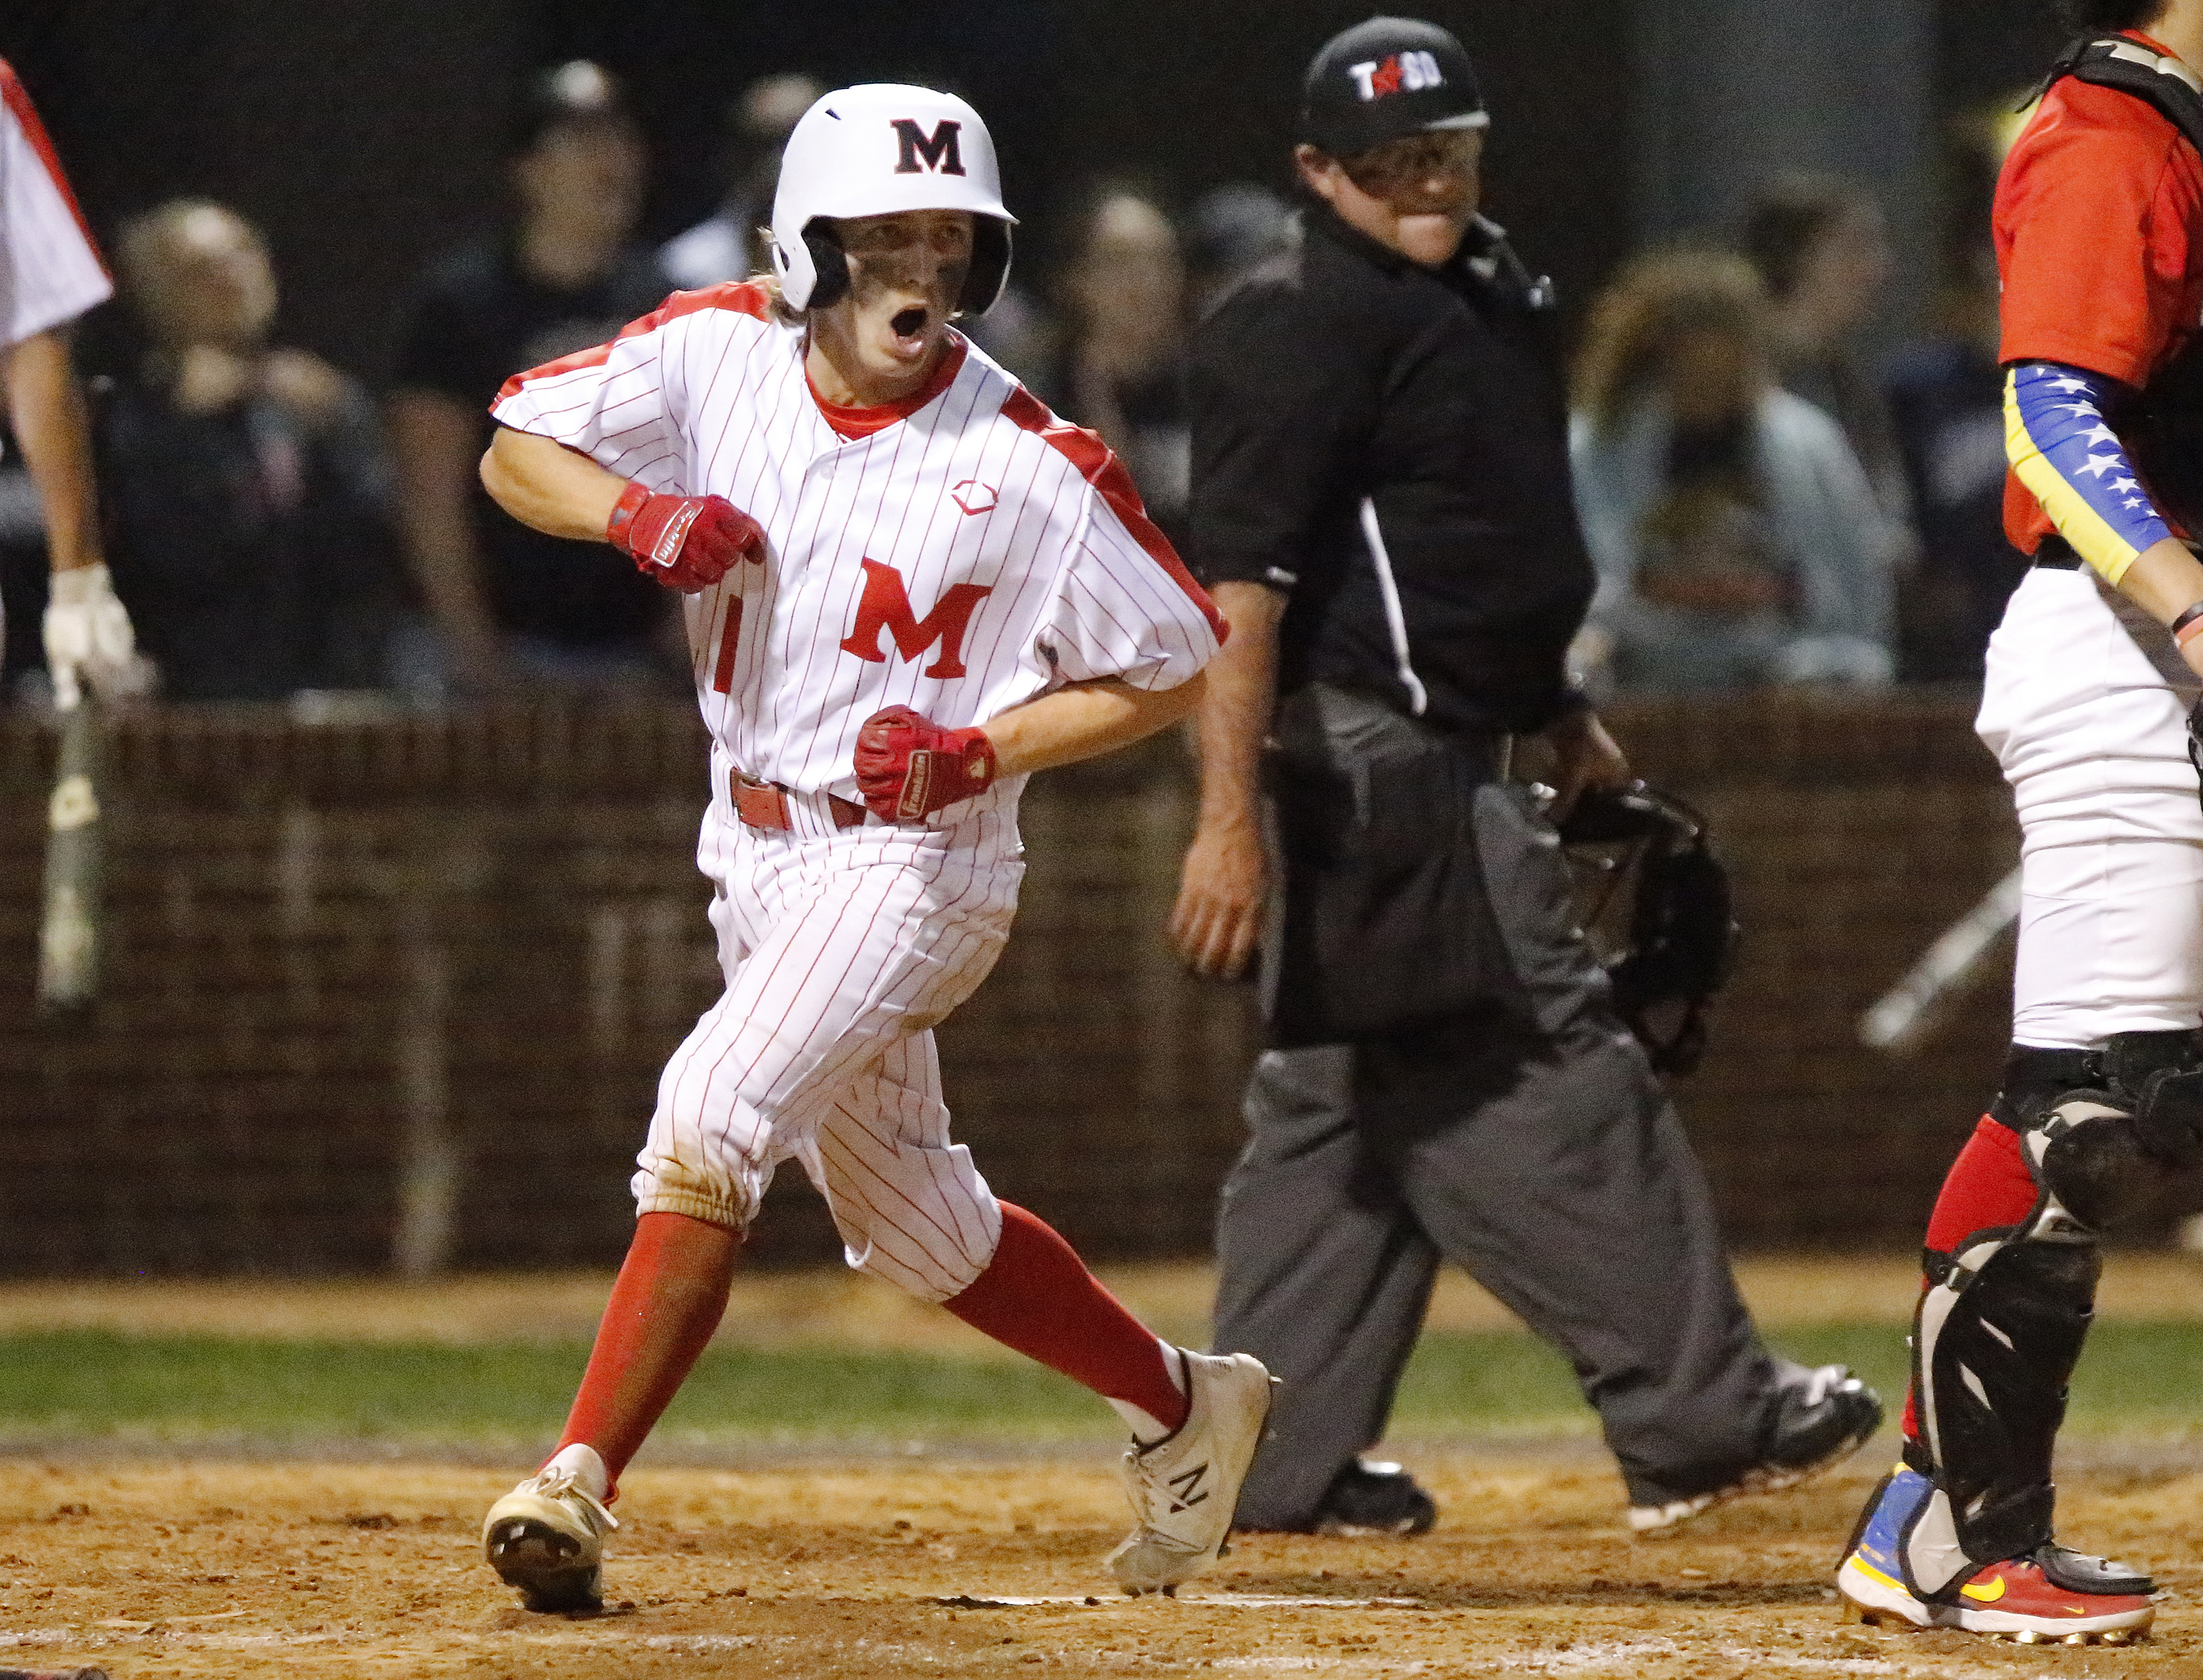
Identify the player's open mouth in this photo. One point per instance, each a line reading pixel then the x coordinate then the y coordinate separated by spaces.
pixel 908 326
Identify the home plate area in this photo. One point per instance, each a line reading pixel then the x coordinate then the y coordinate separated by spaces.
pixel 199 1567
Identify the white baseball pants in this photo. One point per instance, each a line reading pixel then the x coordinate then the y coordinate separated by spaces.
pixel 841 950
pixel 2086 708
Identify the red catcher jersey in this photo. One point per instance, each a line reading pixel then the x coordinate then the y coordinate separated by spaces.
pixel 50 270
pixel 960 559
pixel 2099 227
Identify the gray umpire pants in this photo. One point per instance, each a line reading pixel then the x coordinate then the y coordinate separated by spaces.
pixel 1533 1147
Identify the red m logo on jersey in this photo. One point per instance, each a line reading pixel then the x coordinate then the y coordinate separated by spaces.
pixel 886 606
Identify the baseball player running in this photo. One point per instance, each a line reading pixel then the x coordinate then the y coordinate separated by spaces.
pixel 907 587
pixel 50 274
pixel 2091 674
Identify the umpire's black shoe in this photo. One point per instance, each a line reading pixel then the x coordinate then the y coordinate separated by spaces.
pixel 1817 1417
pixel 1821 1415
pixel 1367 1499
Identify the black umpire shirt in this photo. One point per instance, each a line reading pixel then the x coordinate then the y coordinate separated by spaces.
pixel 1341 373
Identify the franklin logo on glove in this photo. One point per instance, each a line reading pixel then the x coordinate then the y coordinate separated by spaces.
pixel 908 768
pixel 686 543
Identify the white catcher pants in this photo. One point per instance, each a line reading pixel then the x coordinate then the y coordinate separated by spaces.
pixel 2086 708
pixel 841 950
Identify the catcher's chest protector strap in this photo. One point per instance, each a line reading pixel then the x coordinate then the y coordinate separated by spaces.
pixel 2164 82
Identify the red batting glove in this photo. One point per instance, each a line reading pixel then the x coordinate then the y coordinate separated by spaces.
pixel 684 542
pixel 908 768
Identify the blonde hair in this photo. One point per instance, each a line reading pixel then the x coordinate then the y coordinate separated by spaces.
pixel 775 300
pixel 1657 298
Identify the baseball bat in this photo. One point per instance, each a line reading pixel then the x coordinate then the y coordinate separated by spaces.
pixel 69 925
pixel 1900 1020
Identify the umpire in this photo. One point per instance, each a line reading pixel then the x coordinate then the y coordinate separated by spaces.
pixel 1381 506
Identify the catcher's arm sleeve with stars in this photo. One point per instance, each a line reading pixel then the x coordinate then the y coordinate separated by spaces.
pixel 2060 441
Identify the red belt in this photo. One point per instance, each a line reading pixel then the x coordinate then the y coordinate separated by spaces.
pixel 764 804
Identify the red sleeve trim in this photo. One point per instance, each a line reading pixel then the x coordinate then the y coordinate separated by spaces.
pixel 1099 465
pixel 18 101
pixel 742 297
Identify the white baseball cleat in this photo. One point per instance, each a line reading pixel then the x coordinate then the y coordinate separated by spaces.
pixel 546 1538
pixel 1186 1487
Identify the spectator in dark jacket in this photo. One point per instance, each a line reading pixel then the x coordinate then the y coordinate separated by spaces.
pixel 1821 245
pixel 250 494
pixel 1122 368
pixel 507 603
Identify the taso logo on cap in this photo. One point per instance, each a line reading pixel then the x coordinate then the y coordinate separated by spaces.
pixel 1401 73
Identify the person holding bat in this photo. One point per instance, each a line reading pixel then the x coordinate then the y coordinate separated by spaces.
pixel 50 274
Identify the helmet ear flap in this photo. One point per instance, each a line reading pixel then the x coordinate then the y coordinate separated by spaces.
pixel 990 265
pixel 828 262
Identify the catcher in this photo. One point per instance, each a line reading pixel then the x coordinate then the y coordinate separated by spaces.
pixel 2088 706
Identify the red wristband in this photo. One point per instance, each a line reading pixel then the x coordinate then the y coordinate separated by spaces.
pixel 2188 625
pixel 619 529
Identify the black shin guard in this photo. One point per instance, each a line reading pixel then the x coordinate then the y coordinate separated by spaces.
pixel 1996 1349
pixel 2002 1322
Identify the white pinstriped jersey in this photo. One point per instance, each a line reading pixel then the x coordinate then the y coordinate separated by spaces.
pixel 970 556
pixel 48 271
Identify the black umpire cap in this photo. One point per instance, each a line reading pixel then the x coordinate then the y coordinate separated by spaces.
pixel 1385 78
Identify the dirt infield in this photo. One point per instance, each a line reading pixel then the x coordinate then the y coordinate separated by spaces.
pixel 218 1571
pixel 202 1568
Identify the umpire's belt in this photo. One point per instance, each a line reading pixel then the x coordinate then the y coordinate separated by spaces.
pixel 764 804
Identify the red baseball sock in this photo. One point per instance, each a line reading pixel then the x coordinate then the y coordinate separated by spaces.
pixel 1037 1297
pixel 670 1297
pixel 1987 1185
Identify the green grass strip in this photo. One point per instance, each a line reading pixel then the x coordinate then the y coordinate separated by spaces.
pixel 2145 1379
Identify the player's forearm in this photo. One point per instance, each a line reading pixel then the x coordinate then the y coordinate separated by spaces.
pixel 2165 580
pixel 545 486
pixel 47 410
pixel 1234 716
pixel 1085 721
pixel 432 440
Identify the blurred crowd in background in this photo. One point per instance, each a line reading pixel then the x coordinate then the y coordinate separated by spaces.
pixel 1767 501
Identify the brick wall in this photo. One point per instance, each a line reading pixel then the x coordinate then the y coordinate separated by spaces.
pixel 468 944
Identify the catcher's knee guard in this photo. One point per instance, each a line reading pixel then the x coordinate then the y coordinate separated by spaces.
pixel 2102 1126
pixel 2001 1323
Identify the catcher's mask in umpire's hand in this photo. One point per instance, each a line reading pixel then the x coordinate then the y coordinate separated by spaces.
pixel 1681 931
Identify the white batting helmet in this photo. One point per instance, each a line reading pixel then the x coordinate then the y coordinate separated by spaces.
pixel 874 149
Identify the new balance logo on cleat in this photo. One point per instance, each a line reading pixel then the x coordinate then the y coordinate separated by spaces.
pixel 1182 1487
pixel 1184 1490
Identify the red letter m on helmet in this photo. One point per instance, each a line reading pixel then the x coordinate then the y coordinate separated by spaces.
pixel 886 606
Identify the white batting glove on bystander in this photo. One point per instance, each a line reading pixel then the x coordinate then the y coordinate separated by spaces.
pixel 89 639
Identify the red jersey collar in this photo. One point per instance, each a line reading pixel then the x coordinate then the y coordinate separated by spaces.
pixel 861 423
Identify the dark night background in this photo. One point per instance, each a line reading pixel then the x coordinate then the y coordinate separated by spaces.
pixel 363 138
